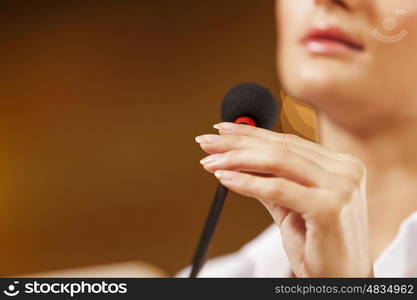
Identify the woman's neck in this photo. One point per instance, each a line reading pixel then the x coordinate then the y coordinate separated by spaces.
pixel 391 161
pixel 382 151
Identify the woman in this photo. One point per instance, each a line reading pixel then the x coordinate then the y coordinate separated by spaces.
pixel 345 207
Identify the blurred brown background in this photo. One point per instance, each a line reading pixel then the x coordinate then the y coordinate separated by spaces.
pixel 100 103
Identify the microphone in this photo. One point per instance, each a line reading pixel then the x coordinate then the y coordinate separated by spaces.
pixel 246 103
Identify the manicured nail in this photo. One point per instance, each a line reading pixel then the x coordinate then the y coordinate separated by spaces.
pixel 213 159
pixel 207 139
pixel 225 126
pixel 225 175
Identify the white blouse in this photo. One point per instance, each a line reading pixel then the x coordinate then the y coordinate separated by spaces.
pixel 265 257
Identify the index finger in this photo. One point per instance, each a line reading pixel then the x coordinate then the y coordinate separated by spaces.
pixel 245 130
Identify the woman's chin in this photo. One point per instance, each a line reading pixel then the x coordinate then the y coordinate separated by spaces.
pixel 317 82
pixel 329 95
pixel 312 92
pixel 322 86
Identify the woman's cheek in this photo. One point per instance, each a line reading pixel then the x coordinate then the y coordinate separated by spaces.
pixel 394 18
pixel 397 25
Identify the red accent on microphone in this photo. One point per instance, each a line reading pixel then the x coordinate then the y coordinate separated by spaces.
pixel 246 120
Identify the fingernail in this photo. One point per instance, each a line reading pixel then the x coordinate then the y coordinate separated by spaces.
pixel 225 175
pixel 213 159
pixel 207 139
pixel 224 126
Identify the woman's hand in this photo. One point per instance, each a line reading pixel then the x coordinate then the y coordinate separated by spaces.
pixel 315 196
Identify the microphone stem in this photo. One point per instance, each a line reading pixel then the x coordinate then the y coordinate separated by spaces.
pixel 209 229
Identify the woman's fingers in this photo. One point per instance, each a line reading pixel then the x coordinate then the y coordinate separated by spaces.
pixel 273 192
pixel 245 130
pixel 287 164
pixel 212 143
pixel 281 143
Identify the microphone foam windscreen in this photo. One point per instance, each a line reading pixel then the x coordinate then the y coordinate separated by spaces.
pixel 250 100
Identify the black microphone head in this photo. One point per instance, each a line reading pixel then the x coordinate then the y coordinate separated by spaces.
pixel 250 100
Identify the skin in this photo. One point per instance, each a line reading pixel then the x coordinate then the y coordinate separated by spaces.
pixel 338 203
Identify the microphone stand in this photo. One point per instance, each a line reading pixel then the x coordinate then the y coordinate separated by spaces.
pixel 208 231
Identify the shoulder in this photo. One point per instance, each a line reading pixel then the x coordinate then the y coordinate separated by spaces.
pixel 399 259
pixel 264 256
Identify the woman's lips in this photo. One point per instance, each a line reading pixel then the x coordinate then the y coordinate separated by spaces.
pixel 330 40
